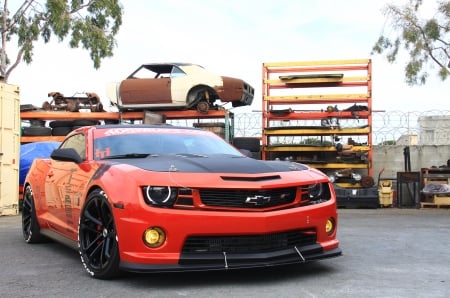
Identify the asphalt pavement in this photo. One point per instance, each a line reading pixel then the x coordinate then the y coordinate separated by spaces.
pixel 388 252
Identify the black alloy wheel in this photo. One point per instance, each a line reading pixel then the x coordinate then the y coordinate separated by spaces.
pixel 30 225
pixel 97 241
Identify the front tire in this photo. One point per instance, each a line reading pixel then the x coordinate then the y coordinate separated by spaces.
pixel 30 226
pixel 97 238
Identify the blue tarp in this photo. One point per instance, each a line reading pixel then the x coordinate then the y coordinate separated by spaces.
pixel 30 151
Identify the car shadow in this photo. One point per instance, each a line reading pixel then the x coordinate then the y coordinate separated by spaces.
pixel 247 277
pixel 55 255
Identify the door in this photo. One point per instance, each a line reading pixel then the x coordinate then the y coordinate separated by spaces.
pixel 145 92
pixel 64 185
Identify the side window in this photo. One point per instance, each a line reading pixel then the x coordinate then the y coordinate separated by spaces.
pixel 176 72
pixel 78 143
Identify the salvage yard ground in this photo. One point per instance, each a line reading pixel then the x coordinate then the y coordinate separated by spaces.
pixel 388 252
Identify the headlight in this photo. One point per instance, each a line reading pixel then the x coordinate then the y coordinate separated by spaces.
pixel 318 192
pixel 315 191
pixel 161 196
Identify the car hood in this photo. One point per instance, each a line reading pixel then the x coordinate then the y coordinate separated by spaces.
pixel 210 164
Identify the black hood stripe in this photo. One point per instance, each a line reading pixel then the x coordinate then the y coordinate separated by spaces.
pixel 215 164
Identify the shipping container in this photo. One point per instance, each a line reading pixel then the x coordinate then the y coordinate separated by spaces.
pixel 9 149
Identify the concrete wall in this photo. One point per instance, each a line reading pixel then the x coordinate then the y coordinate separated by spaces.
pixel 391 158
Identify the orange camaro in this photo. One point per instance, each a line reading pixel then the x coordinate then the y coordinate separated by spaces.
pixel 148 198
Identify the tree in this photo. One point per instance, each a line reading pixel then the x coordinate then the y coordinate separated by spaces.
pixel 425 40
pixel 92 24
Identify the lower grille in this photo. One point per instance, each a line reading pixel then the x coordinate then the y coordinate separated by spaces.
pixel 249 243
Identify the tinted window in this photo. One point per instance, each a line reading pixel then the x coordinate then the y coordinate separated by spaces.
pixel 76 142
pixel 161 144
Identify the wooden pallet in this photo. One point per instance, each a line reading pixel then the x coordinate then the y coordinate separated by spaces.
pixel 441 199
pixel 428 205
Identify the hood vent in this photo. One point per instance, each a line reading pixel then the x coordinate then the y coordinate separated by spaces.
pixel 251 179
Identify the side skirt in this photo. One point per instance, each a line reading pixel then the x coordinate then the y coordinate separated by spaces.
pixel 59 238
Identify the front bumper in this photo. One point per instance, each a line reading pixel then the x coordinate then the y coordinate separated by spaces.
pixel 225 261
pixel 214 240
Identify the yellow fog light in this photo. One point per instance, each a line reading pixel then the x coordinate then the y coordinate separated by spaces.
pixel 329 226
pixel 154 237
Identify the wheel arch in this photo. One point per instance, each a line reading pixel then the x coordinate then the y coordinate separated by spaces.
pixel 25 185
pixel 93 188
pixel 112 203
pixel 192 95
pixel 36 198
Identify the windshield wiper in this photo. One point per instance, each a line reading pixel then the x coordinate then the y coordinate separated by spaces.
pixel 128 155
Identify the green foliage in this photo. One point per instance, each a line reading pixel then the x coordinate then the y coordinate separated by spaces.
pixel 425 40
pixel 90 24
pixel 315 142
pixel 389 142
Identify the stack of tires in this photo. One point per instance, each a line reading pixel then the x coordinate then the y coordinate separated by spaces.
pixel 63 127
pixel 36 128
pixel 55 128
pixel 251 144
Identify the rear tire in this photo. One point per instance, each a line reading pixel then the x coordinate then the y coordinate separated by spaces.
pixel 30 226
pixel 97 238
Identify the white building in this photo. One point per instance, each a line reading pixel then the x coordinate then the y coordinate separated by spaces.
pixel 434 130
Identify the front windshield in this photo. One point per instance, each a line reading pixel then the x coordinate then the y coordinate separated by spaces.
pixel 159 144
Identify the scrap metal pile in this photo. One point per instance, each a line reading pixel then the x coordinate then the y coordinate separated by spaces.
pixel 91 101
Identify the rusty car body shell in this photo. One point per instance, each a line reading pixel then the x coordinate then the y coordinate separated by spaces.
pixel 177 86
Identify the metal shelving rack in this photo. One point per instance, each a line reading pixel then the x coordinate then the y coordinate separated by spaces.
pixel 224 115
pixel 303 114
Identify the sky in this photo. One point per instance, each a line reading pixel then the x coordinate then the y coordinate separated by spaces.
pixel 232 38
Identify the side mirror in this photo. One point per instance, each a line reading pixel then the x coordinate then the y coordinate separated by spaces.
pixel 66 154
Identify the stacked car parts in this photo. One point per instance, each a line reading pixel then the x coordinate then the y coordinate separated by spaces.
pixel 91 101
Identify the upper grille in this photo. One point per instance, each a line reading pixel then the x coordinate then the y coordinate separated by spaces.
pixel 247 198
pixel 249 243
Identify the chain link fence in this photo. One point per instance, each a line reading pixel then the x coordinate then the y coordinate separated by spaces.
pixel 388 128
